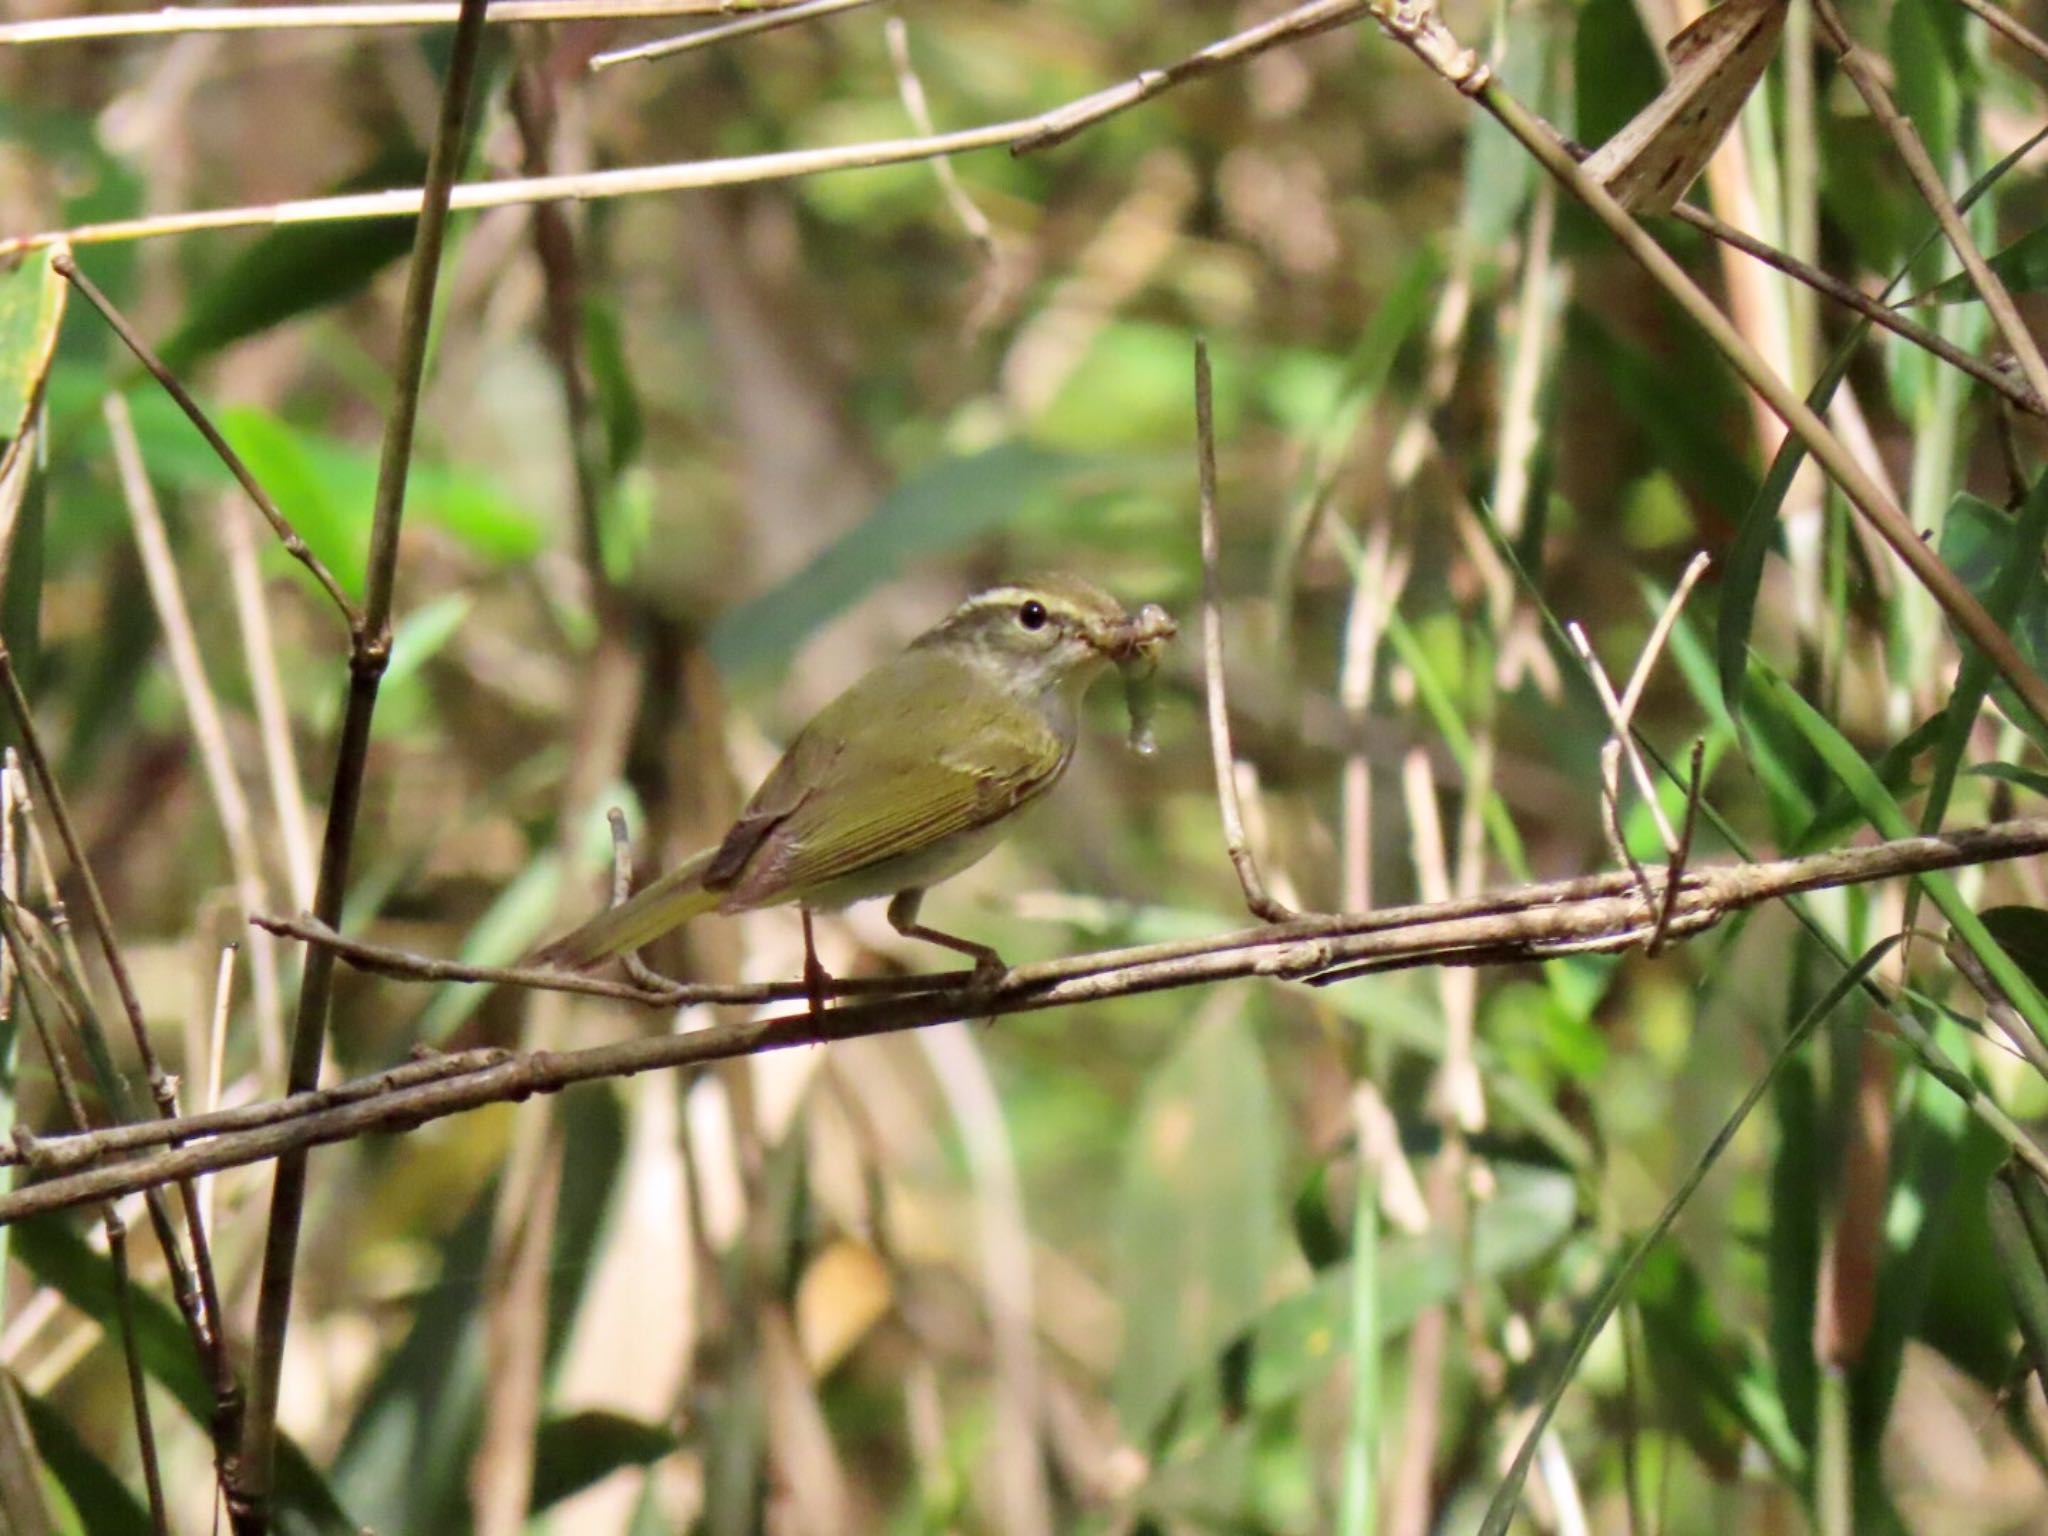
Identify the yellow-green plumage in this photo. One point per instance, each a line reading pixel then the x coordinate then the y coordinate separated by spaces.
pixel 903 779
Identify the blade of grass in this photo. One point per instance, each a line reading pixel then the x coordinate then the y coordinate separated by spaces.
pixel 1501 1510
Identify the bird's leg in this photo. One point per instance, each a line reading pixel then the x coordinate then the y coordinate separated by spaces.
pixel 816 978
pixel 988 965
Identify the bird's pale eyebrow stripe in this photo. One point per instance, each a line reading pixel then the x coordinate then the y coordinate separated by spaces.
pixel 999 597
pixel 1007 598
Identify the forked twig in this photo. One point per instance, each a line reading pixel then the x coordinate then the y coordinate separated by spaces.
pixel 1256 896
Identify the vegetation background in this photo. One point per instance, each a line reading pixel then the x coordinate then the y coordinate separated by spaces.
pixel 1115 1268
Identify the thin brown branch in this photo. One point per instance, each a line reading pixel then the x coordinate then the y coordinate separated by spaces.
pixel 1927 180
pixel 769 21
pixel 1256 896
pixel 638 971
pixel 1876 312
pixel 248 1483
pixel 178 21
pixel 50 1155
pixel 1674 874
pixel 67 265
pixel 405 965
pixel 1599 913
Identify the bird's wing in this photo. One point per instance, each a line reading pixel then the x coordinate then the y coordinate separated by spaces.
pixel 941 753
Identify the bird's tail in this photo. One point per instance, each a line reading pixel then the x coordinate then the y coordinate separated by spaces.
pixel 668 903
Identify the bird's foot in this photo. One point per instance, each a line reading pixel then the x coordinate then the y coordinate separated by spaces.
pixel 988 973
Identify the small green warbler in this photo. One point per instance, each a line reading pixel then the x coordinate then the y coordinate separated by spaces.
pixel 910 775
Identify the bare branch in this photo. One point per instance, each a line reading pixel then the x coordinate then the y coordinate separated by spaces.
pixel 1256 897
pixel 1595 914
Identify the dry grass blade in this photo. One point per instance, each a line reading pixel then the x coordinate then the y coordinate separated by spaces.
pixel 1715 64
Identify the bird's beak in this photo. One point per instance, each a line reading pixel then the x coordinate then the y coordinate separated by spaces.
pixel 1138 637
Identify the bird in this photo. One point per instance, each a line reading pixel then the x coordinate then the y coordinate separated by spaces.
pixel 908 777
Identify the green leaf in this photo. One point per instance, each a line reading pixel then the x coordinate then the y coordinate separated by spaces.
pixel 21 584
pixel 1197 1227
pixel 31 313
pixel 2022 932
pixel 1296 1342
pixel 405 1457
pixel 1998 557
pixel 1941 1160
pixel 1742 572
pixel 1615 70
pixel 618 399
pixel 1884 814
pixel 1619 1281
pixel 572 1453
pixel 950 503
pixel 102 1503
pixel 2019 1227
pixel 297 268
pixel 57 1254
pixel 2026 778
pixel 2021 266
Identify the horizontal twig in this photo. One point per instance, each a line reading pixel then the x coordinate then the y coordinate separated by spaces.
pixel 381 960
pixel 1602 912
pixel 173 21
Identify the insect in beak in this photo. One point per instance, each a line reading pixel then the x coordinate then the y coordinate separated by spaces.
pixel 1138 638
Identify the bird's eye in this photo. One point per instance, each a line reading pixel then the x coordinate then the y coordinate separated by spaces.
pixel 1032 615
